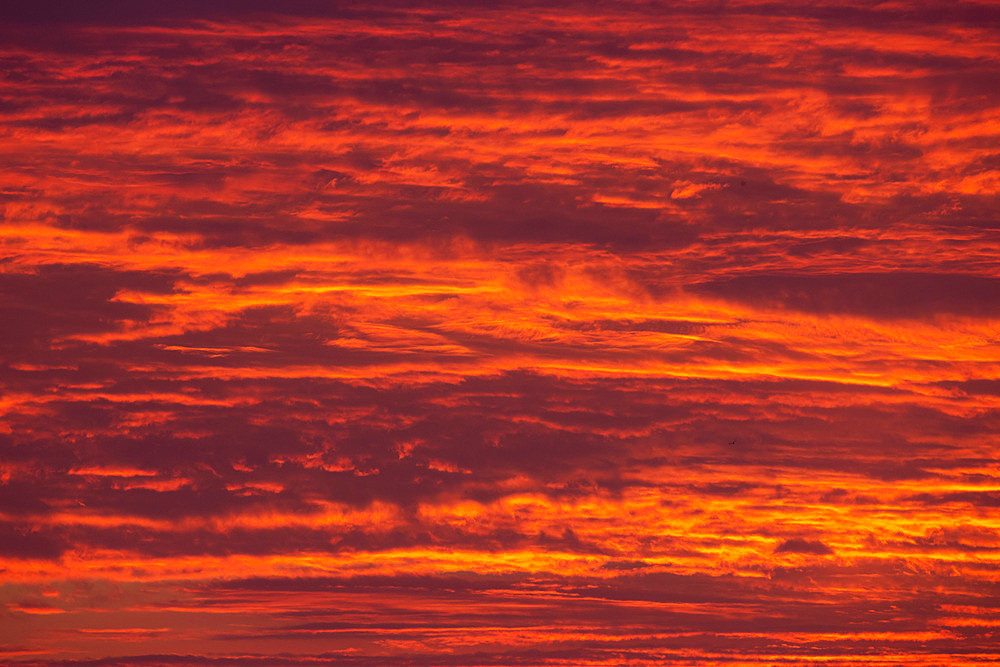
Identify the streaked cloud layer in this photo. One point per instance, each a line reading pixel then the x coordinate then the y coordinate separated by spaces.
pixel 606 333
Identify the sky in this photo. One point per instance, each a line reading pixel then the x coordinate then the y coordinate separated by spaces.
pixel 499 333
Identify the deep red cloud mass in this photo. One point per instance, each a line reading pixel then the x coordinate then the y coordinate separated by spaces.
pixel 499 333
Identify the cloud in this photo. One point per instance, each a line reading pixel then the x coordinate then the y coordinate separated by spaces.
pixel 24 541
pixel 56 301
pixel 879 296
pixel 442 333
pixel 797 545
